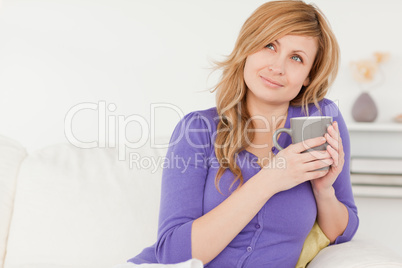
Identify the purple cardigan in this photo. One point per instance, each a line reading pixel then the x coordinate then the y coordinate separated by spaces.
pixel 275 236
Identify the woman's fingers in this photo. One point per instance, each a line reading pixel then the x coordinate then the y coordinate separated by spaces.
pixel 308 144
pixel 331 141
pixel 313 160
pixel 317 174
pixel 317 164
pixel 315 155
pixel 333 137
pixel 339 136
pixel 335 147
pixel 334 154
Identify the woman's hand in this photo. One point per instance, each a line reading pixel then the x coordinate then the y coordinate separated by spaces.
pixel 335 149
pixel 291 166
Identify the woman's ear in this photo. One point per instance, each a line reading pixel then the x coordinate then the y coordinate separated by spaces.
pixel 306 82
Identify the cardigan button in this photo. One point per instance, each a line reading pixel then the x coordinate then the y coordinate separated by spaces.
pixel 249 249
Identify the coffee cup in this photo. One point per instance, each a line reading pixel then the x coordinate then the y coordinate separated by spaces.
pixel 304 128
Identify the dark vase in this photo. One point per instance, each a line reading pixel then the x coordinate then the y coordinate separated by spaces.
pixel 364 109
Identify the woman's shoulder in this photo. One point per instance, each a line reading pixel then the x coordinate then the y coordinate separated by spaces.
pixel 207 117
pixel 329 107
pixel 210 113
pixel 195 129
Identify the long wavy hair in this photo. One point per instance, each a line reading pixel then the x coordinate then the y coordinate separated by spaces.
pixel 268 23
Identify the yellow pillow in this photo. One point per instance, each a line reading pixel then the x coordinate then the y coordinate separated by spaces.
pixel 315 241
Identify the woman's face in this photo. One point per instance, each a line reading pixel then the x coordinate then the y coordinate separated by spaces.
pixel 276 74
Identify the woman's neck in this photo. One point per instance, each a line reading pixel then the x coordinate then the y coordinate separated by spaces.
pixel 266 116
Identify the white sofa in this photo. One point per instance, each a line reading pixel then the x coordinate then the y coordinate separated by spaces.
pixel 64 206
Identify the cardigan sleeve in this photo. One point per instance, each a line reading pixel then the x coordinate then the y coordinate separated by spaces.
pixel 342 185
pixel 183 180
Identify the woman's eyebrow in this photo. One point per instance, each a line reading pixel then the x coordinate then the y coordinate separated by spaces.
pixel 296 51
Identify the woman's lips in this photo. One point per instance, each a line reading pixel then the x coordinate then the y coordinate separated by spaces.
pixel 271 83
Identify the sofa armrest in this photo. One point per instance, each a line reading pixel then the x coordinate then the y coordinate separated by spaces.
pixel 360 252
pixel 11 156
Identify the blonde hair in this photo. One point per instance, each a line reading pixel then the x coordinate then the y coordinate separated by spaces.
pixel 268 23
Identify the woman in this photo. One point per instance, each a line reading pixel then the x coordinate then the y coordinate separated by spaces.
pixel 228 197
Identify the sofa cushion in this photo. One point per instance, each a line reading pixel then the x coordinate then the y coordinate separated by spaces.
pixel 84 207
pixel 11 156
pixel 362 251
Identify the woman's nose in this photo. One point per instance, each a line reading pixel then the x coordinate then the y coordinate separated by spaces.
pixel 277 66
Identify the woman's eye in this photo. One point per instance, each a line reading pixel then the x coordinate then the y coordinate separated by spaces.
pixel 297 58
pixel 270 46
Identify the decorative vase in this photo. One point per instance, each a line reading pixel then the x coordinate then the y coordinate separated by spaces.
pixel 364 109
